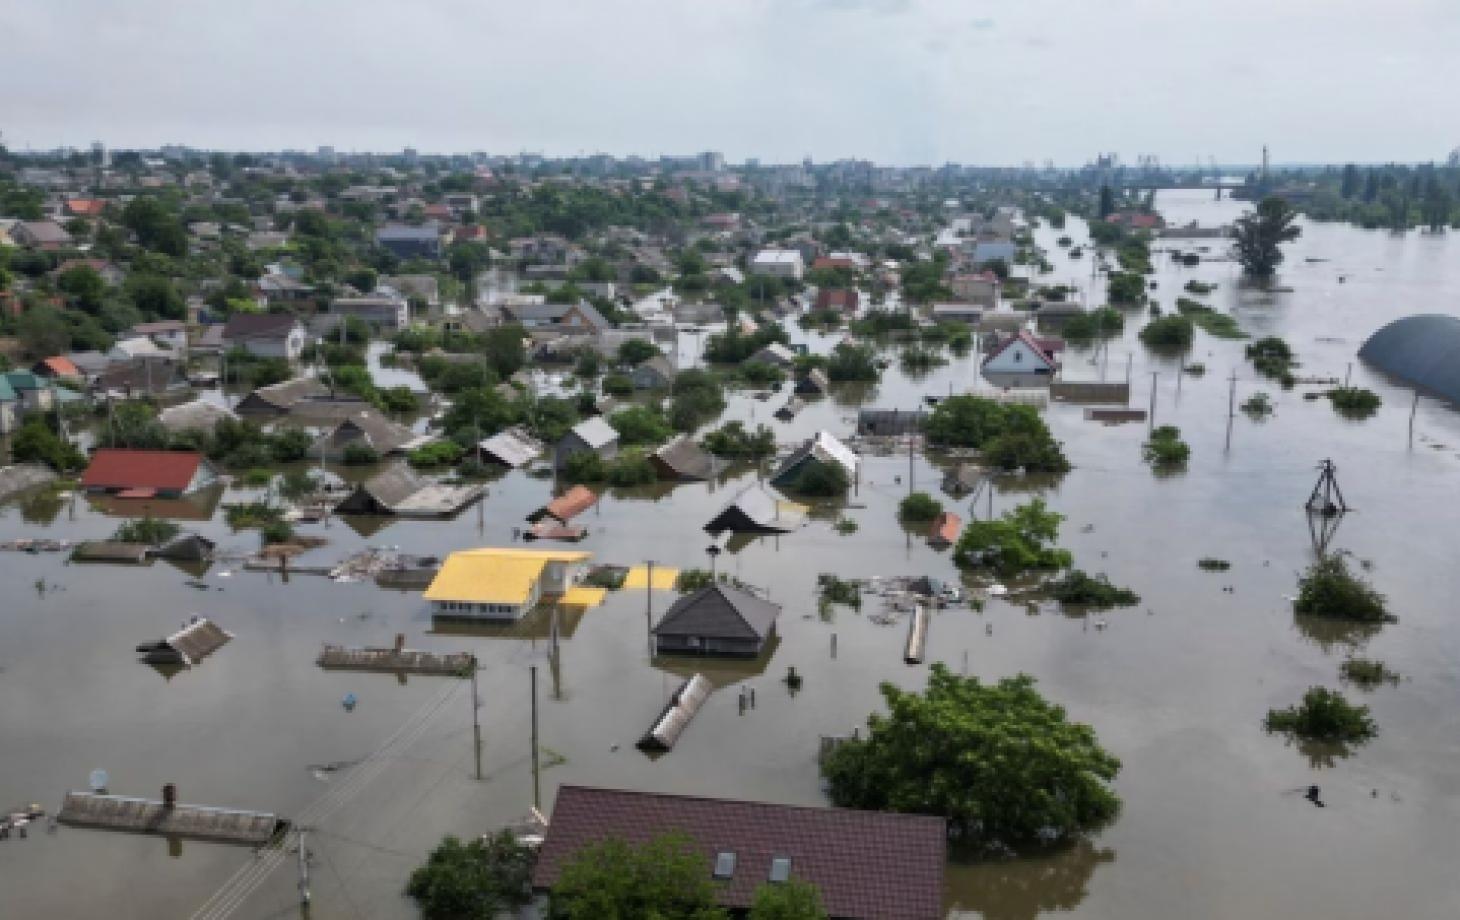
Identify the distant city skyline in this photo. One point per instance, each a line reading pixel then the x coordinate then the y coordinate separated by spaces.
pixel 898 82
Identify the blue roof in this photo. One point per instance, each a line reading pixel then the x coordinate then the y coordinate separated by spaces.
pixel 426 231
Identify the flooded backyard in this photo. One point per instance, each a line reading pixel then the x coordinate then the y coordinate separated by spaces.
pixel 1214 824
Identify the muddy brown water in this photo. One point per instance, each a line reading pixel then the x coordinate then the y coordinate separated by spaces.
pixel 1214 824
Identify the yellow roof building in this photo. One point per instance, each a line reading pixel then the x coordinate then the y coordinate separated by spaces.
pixel 495 575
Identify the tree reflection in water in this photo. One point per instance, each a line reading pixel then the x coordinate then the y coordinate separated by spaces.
pixel 1023 887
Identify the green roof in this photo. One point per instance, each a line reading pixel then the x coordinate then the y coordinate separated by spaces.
pixel 7 392
pixel 26 380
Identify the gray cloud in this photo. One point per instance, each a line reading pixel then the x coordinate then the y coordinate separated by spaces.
pixel 890 80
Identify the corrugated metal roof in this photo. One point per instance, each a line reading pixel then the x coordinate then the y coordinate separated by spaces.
pixel 513 447
pixel 571 503
pixel 164 470
pixel 677 714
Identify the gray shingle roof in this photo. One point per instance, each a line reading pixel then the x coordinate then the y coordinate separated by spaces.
pixel 719 611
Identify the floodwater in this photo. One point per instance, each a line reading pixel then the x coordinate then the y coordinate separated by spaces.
pixel 1214 824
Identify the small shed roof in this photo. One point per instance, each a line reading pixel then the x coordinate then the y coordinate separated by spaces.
pixel 595 432
pixel 570 504
pixel 513 447
pixel 686 459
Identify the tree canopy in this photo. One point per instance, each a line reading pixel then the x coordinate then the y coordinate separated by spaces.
pixel 1001 763
pixel 664 879
pixel 1259 236
pixel 473 881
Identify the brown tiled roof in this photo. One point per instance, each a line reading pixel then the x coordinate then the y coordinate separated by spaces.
pixel 866 864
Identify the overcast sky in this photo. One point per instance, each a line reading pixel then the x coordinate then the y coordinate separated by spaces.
pixel 896 81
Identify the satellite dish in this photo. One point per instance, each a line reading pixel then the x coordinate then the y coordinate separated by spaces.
pixel 99 780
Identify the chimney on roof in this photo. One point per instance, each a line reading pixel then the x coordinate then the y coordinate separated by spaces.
pixel 169 795
pixel 400 642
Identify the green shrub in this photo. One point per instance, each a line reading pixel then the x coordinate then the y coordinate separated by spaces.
pixel 919 506
pixel 1173 332
pixel 1324 715
pixel 277 532
pixel 584 466
pixel 1257 406
pixel 1125 288
pixel 1077 589
pixel 360 455
pixel 257 478
pixel 1086 326
pixel 822 480
pixel 1272 358
pixel 1329 590
pixel 436 454
pixel 1367 674
pixel 630 469
pixel 1354 402
pixel 618 385
pixel 1165 450
pixel 149 530
pixel 640 425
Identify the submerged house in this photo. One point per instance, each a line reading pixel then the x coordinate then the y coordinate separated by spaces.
pixel 655 373
pixel 513 448
pixel 776 355
pixel 367 429
pixel 718 619
pixel 403 492
pixel 889 422
pixel 1021 354
pixel 685 460
pixel 758 509
pixel 820 450
pixel 815 383
pixel 590 435
pixel 147 473
pixel 494 583
pixel 867 865
pixel 281 398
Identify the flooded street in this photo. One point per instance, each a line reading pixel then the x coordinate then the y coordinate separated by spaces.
pixel 1214 823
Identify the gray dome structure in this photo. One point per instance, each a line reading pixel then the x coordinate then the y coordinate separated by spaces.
pixel 1422 350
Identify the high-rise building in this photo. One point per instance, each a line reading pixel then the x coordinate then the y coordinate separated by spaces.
pixel 712 161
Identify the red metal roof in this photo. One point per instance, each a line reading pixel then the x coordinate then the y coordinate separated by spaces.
pixel 162 470
pixel 61 366
pixel 1027 338
pixel 945 528
pixel 844 299
pixel 571 503
pixel 866 864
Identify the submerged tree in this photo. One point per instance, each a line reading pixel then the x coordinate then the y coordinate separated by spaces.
pixel 1001 763
pixel 1260 235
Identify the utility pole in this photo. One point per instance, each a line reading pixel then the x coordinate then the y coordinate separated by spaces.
pixel 1231 406
pixel 1414 407
pixel 1154 374
pixel 649 607
pixel 536 778
pixel 476 723
pixel 304 894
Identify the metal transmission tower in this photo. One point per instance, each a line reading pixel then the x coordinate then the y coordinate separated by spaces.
pixel 1327 498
